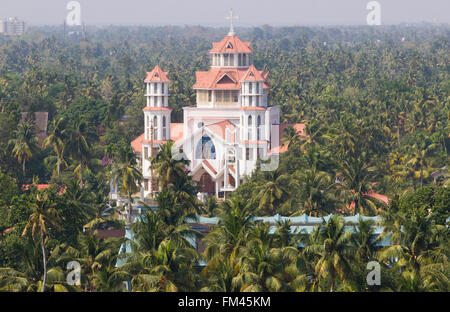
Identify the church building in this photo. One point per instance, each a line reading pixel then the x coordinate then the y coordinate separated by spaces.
pixel 230 128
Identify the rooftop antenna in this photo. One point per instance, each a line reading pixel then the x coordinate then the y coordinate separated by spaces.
pixel 84 32
pixel 231 18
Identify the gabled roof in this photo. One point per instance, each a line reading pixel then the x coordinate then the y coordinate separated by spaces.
pixel 212 79
pixel 176 134
pixel 219 128
pixel 136 144
pixel 231 44
pixel 253 74
pixel 157 75
pixel 210 167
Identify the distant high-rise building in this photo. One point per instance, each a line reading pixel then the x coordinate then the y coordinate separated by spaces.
pixel 14 26
pixel 2 27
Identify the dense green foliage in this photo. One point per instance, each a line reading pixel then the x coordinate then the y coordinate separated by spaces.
pixel 376 109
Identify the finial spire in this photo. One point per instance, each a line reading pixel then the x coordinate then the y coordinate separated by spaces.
pixel 231 18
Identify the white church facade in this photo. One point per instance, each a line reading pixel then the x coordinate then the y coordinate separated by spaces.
pixel 231 126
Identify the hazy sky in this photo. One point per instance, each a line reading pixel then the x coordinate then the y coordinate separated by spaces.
pixel 213 12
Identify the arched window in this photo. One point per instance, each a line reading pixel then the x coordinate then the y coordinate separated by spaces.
pixel 205 148
pixel 155 128
pixel 164 128
pixel 258 128
pixel 250 127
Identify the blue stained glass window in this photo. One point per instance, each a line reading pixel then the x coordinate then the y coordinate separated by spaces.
pixel 205 149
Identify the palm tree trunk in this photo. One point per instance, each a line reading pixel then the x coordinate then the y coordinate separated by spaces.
pixel 44 260
pixel 58 165
pixel 81 174
pixel 332 280
pixel 129 208
pixel 23 166
pixel 421 176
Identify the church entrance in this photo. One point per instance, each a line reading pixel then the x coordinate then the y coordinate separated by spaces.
pixel 208 185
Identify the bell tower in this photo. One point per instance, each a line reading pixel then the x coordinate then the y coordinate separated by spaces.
pixel 157 111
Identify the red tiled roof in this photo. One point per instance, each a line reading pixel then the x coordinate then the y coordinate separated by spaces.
pixel 157 75
pixel 252 108
pixel 136 144
pixel 176 134
pixel 237 46
pixel 9 230
pixel 213 79
pixel 281 148
pixel 220 127
pixel 176 131
pixel 380 197
pixel 253 74
pixel 150 108
pixel 207 164
pixel 40 187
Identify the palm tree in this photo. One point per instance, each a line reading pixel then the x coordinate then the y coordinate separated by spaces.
pixel 272 192
pixel 223 273
pixel 126 171
pixel 364 240
pixel 168 169
pixel 291 136
pixel 56 139
pixel 414 238
pixel 334 248
pixel 418 158
pixel 264 267
pixel 355 183
pixel 78 144
pixel 24 143
pixel 315 187
pixel 44 215
pixel 235 220
pixel 316 134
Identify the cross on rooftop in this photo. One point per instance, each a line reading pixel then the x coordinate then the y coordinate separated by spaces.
pixel 231 18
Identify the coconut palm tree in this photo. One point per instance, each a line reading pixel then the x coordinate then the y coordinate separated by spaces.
pixel 272 192
pixel 414 238
pixel 168 169
pixel 334 248
pixel 235 220
pixel 291 136
pixel 354 183
pixel 24 143
pixel 78 145
pixel 56 140
pixel 126 171
pixel 264 267
pixel 44 215
pixel 418 159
